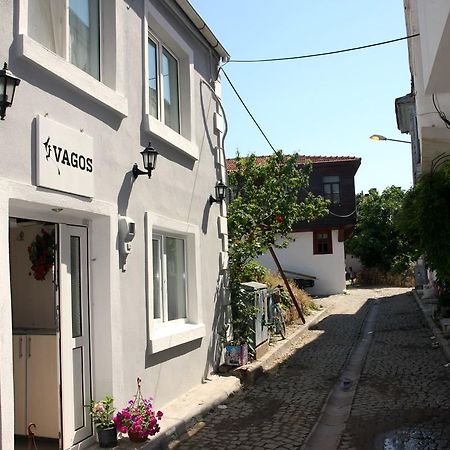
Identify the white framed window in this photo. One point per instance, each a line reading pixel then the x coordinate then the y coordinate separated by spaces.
pixel 164 90
pixel 169 78
pixel 173 282
pixel 70 28
pixel 169 277
pixel 74 40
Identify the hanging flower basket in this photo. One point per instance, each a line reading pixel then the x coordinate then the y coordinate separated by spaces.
pixel 42 254
pixel 138 419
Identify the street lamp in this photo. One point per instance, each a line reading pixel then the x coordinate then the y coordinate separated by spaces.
pixel 379 137
pixel 149 155
pixel 8 84
pixel 220 191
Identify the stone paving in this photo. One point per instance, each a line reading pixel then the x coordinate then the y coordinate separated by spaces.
pixel 403 396
pixel 401 402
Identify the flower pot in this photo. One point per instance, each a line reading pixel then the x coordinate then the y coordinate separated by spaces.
pixel 136 437
pixel 107 437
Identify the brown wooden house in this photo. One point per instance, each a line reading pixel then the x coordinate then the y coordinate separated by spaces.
pixel 316 252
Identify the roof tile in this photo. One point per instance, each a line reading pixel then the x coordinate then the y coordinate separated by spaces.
pixel 302 159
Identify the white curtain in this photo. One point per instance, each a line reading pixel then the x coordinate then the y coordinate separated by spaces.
pixel 46 24
pixel 176 278
pixel 84 35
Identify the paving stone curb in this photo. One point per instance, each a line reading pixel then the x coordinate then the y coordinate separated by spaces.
pixel 249 374
pixel 243 376
pixel 437 332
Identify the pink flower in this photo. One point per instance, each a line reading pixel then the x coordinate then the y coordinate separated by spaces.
pixel 98 408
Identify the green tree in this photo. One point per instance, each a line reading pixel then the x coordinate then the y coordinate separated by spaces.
pixel 425 218
pixel 263 211
pixel 376 240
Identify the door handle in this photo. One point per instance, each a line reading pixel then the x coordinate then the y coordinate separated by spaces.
pixel 20 347
pixel 29 347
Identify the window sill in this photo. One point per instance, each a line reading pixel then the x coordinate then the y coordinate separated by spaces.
pixel 170 136
pixel 170 336
pixel 32 51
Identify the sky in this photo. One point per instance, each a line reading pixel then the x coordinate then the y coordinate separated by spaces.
pixel 328 105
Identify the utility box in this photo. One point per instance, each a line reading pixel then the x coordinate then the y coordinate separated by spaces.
pixel 259 292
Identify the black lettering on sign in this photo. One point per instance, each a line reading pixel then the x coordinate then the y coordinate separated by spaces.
pixel 57 151
pixel 65 159
pixel 73 160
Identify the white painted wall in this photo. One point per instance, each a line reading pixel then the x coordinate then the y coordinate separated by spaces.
pixel 299 257
pixel 434 23
pixel 428 57
pixel 179 189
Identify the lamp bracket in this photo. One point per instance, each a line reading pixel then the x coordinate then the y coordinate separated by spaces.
pixel 136 171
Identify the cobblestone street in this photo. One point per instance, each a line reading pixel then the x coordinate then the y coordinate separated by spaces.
pixel 401 400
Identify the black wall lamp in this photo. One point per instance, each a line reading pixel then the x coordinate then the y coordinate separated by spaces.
pixel 220 191
pixel 8 84
pixel 149 155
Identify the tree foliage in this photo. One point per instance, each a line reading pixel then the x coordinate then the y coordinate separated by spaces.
pixel 263 211
pixel 266 205
pixel 425 217
pixel 376 240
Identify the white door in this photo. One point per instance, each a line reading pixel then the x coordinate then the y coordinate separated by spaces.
pixel 74 335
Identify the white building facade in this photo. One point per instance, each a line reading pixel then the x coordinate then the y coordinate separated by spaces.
pixel 136 288
pixel 299 260
pixel 428 57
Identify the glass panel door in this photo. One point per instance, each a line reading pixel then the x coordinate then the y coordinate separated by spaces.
pixel 74 335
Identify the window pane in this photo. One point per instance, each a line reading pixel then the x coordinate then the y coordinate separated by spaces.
pixel 331 179
pixel 45 24
pixel 152 78
pixel 75 281
pixel 176 278
pixel 156 250
pixel 84 36
pixel 170 89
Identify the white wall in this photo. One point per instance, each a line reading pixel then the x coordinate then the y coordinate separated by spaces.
pixel 434 23
pixel 179 189
pixel 299 257
pixel 428 57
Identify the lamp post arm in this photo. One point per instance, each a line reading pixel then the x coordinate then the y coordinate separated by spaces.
pixel 397 140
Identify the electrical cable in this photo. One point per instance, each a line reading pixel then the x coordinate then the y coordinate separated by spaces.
pixel 246 108
pixel 314 55
pixel 441 113
pixel 342 216
pixel 303 57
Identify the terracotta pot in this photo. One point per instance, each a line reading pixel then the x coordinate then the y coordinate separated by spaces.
pixel 107 437
pixel 136 437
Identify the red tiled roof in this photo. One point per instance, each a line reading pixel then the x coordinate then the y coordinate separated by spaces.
pixel 302 159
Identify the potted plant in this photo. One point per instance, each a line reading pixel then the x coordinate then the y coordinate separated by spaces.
pixel 101 413
pixel 138 419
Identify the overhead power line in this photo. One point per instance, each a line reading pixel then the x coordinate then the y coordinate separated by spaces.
pixel 314 55
pixel 246 108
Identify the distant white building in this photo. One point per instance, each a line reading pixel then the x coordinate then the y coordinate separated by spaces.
pixel 136 289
